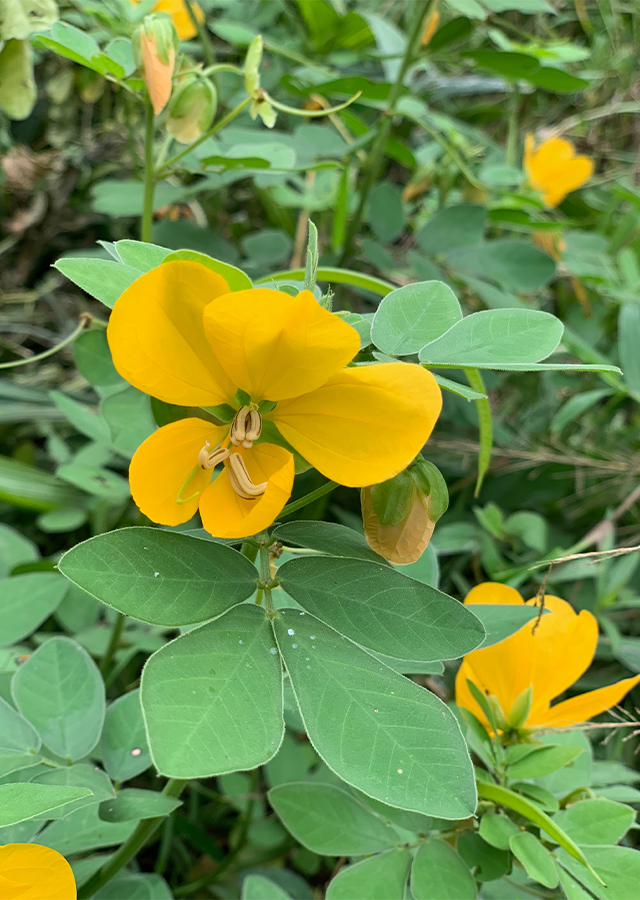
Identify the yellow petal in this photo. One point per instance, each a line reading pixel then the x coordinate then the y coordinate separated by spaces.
pixel 566 178
pixel 157 74
pixel 275 346
pixel 161 468
pixel 33 872
pixel 226 515
pixel 584 706
pixel 493 592
pixel 180 17
pixel 365 424
pixel 565 644
pixel 157 336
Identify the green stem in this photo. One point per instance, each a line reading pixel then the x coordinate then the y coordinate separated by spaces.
pixel 376 154
pixel 203 34
pixel 485 425
pixel 149 175
pixel 265 578
pixel 134 843
pixel 85 319
pixel 116 634
pixel 221 124
pixel 309 498
pixel 513 132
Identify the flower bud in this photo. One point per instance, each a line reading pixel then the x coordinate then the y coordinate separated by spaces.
pixel 17 86
pixel 192 108
pixel 154 46
pixel 400 514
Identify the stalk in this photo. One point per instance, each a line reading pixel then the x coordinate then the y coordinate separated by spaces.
pixel 149 175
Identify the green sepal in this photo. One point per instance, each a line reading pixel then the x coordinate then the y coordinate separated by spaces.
pixel 520 710
pixel 242 398
pixel 224 412
pixel 252 66
pixel 266 406
pixel 489 705
pixel 430 482
pixel 392 499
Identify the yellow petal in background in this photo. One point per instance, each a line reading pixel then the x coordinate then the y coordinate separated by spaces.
pixel 366 424
pixel 225 514
pixel 32 872
pixel 493 592
pixel 584 706
pixel 554 168
pixel 180 17
pixel 161 470
pixel 274 346
pixel 157 338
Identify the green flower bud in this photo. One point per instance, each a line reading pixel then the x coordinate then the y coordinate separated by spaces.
pixel 252 66
pixel 160 30
pixel 192 108
pixel 17 86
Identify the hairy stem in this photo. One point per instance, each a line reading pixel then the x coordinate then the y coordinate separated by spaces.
pixel 149 175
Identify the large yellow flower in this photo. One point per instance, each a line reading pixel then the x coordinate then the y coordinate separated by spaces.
pixel 177 11
pixel 178 334
pixel 554 169
pixel 33 872
pixel 550 657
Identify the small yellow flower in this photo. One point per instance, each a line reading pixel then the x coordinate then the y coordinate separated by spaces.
pixel 177 10
pixel 33 872
pixel 550 657
pixel 178 334
pixel 554 169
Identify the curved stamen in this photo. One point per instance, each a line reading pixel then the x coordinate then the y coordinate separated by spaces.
pixel 246 426
pixel 241 480
pixel 209 460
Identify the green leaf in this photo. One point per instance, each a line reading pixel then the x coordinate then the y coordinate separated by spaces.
pixel 16 734
pixel 596 821
pixel 24 800
pixel 83 830
pixel 516 265
pixel 82 417
pixel 257 887
pixel 212 699
pixel 334 276
pixel 501 620
pixel 235 278
pixel 386 212
pixel 525 6
pixel 439 873
pixel 141 256
pixel 61 520
pixel 460 389
pixel 78 776
pixel 524 807
pixel 160 577
pixel 131 886
pixel 103 279
pixel 617 867
pixel 414 315
pixel 535 858
pixel 380 877
pixel 14 761
pixel 628 342
pixel 378 731
pixel 14 549
pixel 540 761
pixel 453 227
pixel 381 608
pixel 27 487
pixel 496 337
pixel 129 419
pixel 327 537
pixel 134 804
pixel 60 691
pixel 557 80
pixel 486 862
pixel 577 406
pixel 497 830
pixel 123 744
pixel 125 197
pixel 93 358
pixel 26 601
pixel 330 821
pixel 76 45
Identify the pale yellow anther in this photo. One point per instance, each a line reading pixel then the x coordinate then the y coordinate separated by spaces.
pixel 241 480
pixel 209 460
pixel 246 427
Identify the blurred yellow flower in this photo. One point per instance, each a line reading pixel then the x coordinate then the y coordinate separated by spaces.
pixel 178 334
pixel 549 656
pixel 554 169
pixel 32 872
pixel 179 15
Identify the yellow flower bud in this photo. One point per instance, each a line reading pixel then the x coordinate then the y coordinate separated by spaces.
pixel 192 109
pixel 399 515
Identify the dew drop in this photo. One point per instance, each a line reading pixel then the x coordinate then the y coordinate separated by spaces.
pixel 307 658
pixel 312 637
pixel 376 710
pixel 294 646
pixel 308 667
pixel 301 613
pixel 241 642
pixel 313 647
pixel 155 574
pixel 399 771
pixel 290 631
pixel 136 750
pixel 273 650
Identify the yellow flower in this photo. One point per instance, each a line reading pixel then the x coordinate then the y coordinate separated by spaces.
pixel 554 169
pixel 178 334
pixel 177 10
pixel 550 658
pixel 32 872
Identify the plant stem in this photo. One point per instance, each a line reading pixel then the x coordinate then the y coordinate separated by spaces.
pixel 203 137
pixel 85 319
pixel 265 578
pixel 116 634
pixel 203 34
pixel 512 134
pixel 309 498
pixel 376 154
pixel 149 175
pixel 134 843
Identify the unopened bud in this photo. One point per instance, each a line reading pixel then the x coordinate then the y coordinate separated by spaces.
pixel 430 26
pixel 154 47
pixel 400 514
pixel 252 66
pixel 17 86
pixel 519 712
pixel 192 108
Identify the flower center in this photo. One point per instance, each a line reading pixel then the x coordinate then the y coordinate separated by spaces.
pixel 245 429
